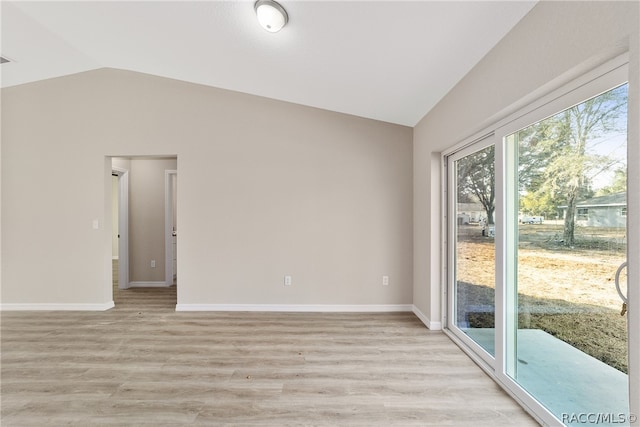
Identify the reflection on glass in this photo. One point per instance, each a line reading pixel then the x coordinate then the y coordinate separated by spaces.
pixel 571 238
pixel 475 247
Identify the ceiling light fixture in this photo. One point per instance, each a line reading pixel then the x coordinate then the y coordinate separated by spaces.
pixel 271 16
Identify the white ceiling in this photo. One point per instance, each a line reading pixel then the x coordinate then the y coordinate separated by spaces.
pixel 385 60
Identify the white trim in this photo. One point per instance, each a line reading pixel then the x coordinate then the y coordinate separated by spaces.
pixel 168 220
pixel 505 258
pixel 123 226
pixel 432 326
pixel 115 257
pixel 316 308
pixel 633 228
pixel 148 285
pixel 56 307
pixel 444 234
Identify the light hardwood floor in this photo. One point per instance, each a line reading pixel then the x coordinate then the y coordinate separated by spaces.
pixel 143 363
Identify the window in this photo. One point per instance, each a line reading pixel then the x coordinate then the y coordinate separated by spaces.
pixel 582 214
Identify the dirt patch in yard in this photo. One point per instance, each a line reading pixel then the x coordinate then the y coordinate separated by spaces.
pixel 567 292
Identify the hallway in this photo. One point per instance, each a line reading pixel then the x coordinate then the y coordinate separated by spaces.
pixel 148 299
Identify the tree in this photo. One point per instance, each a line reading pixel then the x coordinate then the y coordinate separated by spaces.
pixel 539 203
pixel 476 179
pixel 618 184
pixel 560 162
pixel 536 146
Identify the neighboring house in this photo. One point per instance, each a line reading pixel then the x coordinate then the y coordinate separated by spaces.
pixel 602 211
pixel 470 213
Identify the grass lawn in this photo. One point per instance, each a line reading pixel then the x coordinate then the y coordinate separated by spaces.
pixel 567 292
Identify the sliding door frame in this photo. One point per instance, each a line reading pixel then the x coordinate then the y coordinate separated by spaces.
pixel 599 80
pixel 475 145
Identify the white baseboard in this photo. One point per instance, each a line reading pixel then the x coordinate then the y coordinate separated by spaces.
pixel 432 326
pixel 162 284
pixel 318 308
pixel 56 307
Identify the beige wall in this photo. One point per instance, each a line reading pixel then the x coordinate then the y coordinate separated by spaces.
pixel 269 188
pixel 146 218
pixel 553 44
pixel 266 188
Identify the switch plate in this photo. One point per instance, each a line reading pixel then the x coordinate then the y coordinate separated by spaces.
pixel 96 224
pixel 153 263
pixel 288 280
pixel 385 280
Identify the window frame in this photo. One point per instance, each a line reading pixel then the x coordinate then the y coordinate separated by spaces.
pixel 582 214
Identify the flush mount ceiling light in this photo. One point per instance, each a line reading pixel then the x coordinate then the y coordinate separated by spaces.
pixel 271 16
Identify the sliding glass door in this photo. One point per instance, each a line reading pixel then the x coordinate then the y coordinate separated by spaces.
pixel 472 174
pixel 537 254
pixel 569 238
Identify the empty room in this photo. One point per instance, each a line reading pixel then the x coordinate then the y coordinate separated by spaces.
pixel 359 213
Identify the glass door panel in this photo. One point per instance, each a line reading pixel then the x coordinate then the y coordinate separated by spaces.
pixel 472 232
pixel 568 346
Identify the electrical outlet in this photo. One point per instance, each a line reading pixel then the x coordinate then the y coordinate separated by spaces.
pixel 153 263
pixel 385 280
pixel 288 280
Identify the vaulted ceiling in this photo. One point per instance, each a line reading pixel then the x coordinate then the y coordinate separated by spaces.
pixel 385 60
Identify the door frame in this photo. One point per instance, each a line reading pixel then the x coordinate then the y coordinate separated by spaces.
pixel 123 226
pixel 579 89
pixel 168 219
pixel 450 177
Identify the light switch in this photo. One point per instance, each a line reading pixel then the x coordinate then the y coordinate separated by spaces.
pixel 96 224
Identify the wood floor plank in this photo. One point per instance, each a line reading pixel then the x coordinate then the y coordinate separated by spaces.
pixel 142 363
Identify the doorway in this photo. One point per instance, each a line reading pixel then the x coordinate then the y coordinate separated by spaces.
pixel 144 240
